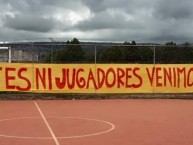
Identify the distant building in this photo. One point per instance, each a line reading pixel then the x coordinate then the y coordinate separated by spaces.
pixel 23 56
pixel 18 55
pixel 4 55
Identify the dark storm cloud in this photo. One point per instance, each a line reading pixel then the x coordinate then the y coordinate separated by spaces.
pixel 175 30
pixel 143 20
pixel 104 20
pixel 29 23
pixel 175 9
pixel 40 6
pixel 12 35
pixel 126 5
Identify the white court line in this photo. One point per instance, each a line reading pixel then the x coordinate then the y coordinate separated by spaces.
pixel 59 137
pixel 92 134
pixel 55 138
pixel 47 124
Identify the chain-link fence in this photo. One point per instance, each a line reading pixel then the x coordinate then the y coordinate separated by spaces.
pixel 94 53
pixel 47 52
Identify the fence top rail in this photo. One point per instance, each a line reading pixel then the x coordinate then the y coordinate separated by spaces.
pixel 84 44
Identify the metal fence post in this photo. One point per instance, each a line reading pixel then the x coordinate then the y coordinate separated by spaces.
pixel 33 53
pixel 95 61
pixel 95 54
pixel 33 61
pixel 52 51
pixel 154 65
pixel 154 54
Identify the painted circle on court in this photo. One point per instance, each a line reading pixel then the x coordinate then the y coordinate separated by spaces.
pixel 63 127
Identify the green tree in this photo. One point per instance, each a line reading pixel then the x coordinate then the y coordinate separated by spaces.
pixel 186 44
pixel 126 43
pixel 170 43
pixel 133 43
pixel 130 52
pixel 71 53
pixel 111 55
pixel 146 54
pixel 168 53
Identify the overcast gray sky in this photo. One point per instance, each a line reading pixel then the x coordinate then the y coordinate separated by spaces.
pixel 116 20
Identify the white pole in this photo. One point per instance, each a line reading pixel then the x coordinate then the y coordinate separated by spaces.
pixel 9 57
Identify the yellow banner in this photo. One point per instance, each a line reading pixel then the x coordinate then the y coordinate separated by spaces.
pixel 99 78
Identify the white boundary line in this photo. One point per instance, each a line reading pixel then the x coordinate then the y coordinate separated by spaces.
pixel 22 137
pixel 60 137
pixel 88 135
pixel 47 124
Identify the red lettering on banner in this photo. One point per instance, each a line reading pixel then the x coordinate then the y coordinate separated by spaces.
pixel 61 83
pixel 158 77
pixel 113 78
pixel 91 78
pixel 9 78
pixel 50 78
pixel 71 84
pixel 40 78
pixel 20 76
pixel 86 79
pixel 174 77
pixel 190 84
pixel 167 76
pixel 120 77
pixel 183 77
pixel 101 77
pixel 81 82
pixel 128 77
pixel 151 75
pixel 139 78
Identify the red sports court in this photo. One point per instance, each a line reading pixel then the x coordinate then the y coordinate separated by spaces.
pixel 96 122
